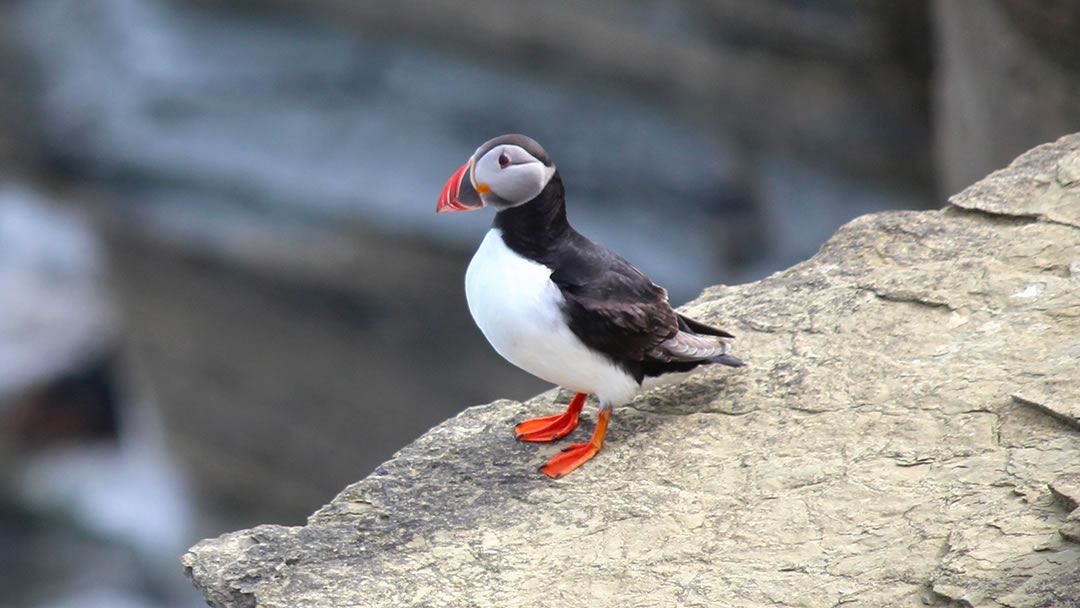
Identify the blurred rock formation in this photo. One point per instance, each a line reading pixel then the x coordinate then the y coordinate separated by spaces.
pixel 1007 78
pixel 91 508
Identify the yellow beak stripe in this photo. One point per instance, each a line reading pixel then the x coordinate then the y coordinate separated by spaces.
pixel 481 188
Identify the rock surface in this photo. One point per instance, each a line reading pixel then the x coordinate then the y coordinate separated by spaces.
pixel 906 434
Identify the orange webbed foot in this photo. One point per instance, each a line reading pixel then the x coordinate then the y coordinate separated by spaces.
pixel 550 428
pixel 577 454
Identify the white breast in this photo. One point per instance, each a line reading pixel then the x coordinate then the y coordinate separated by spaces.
pixel 518 309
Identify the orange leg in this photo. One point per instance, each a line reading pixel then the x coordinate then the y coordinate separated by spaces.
pixel 550 428
pixel 576 455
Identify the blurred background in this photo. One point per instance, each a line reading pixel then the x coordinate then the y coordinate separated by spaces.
pixel 224 293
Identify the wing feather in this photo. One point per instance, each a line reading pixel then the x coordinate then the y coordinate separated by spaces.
pixel 616 310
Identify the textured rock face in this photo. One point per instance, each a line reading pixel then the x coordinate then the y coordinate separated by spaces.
pixel 907 434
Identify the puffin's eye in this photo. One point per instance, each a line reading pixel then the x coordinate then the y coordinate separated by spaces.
pixel 504 161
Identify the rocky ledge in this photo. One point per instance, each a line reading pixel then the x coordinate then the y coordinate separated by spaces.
pixel 907 434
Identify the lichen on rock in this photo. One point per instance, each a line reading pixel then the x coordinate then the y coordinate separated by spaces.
pixel 906 434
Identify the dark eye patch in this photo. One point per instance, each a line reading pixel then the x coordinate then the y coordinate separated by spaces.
pixel 504 160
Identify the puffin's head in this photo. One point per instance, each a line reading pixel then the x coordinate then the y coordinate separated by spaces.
pixel 505 172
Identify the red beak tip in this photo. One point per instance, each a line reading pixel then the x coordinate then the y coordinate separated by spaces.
pixel 448 197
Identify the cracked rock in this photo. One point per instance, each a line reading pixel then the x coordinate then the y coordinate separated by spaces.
pixel 905 435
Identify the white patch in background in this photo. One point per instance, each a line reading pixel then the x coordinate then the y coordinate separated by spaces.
pixel 54 313
pixel 126 490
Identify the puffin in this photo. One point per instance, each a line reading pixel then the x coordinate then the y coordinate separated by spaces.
pixel 561 307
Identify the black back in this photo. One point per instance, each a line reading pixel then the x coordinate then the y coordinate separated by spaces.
pixel 610 306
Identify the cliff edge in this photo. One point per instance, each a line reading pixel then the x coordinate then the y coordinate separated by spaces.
pixel 907 434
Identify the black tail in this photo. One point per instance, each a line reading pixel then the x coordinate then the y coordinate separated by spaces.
pixel 697 327
pixel 726 359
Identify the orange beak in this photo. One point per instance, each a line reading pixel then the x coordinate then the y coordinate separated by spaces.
pixel 458 194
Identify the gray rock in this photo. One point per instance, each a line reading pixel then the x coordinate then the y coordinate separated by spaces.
pixel 901 437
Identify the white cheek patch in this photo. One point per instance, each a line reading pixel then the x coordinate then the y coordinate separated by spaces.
pixel 517 183
pixel 522 183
